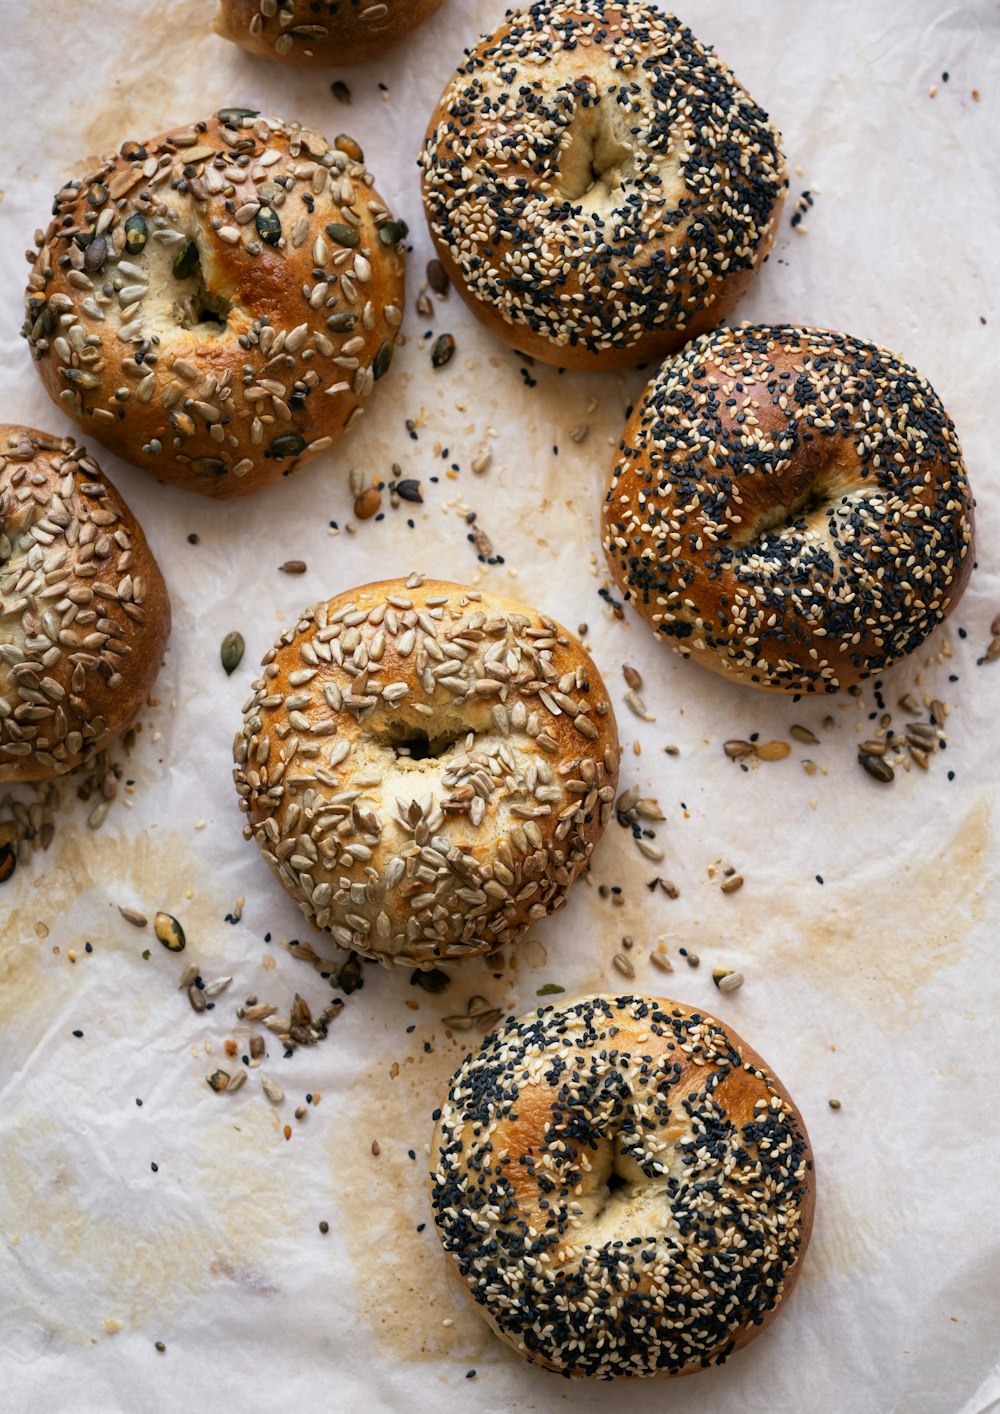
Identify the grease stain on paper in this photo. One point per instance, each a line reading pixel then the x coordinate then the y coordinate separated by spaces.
pixel 402 1284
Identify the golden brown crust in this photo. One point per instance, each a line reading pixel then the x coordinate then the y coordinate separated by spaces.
pixel 790 507
pixel 84 611
pixel 671 1104
pixel 584 232
pixel 427 768
pixel 216 304
pixel 301 33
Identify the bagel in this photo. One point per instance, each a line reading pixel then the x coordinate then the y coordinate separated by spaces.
pixel 84 612
pixel 305 33
pixel 790 507
pixel 598 185
pixel 216 304
pixel 426 768
pixel 623 1186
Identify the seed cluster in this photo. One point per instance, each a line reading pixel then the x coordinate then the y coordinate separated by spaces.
pixel 623 1193
pixel 312 32
pixel 597 176
pixel 426 768
pixel 790 507
pixel 215 305
pixel 84 614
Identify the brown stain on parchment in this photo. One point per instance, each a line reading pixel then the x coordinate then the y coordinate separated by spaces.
pixel 140 100
pixel 88 1246
pixel 884 938
pixel 403 1287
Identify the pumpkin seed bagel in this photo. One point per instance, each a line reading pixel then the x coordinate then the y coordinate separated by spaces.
pixel 426 768
pixel 216 304
pixel 311 33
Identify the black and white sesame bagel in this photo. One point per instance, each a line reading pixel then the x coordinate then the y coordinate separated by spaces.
pixel 84 612
pixel 624 1187
pixel 310 33
pixel 216 305
pixel 426 768
pixel 599 186
pixel 790 507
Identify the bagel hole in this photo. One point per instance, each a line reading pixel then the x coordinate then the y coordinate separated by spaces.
pixel 414 744
pixel 593 157
pixel 616 1181
pixel 199 307
pixel 784 517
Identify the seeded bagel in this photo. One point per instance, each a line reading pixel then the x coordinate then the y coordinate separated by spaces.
pixel 790 507
pixel 318 32
pixel 426 768
pixel 598 185
pixel 623 1186
pixel 84 612
pixel 215 305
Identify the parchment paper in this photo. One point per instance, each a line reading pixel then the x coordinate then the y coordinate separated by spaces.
pixel 877 987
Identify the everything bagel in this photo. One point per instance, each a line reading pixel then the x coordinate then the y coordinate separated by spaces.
pixel 623 1186
pixel 599 186
pixel 790 507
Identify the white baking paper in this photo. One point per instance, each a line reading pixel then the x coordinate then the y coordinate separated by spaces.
pixel 877 987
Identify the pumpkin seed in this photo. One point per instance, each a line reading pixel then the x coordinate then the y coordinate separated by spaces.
pixel 219 1080
pixel 392 232
pixel 80 378
pixel 186 262
pixel 342 323
pixel 735 749
pixel 433 980
pixel 169 932
pixel 231 652
pixel 268 225
pixel 208 466
pixel 382 360
pixel 197 998
pixel 135 233
pixel 342 234
pixel 289 444
pixel 443 351
pixel 730 885
pixel 230 116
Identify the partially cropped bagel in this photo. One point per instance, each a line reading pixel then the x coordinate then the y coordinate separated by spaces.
pixel 624 1187
pixel 790 507
pixel 599 186
pixel 318 32
pixel 426 768
pixel 216 305
pixel 84 612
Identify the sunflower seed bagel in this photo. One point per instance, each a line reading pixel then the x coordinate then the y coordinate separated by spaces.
pixel 599 186
pixel 312 33
pixel 790 508
pixel 84 611
pixel 624 1187
pixel 216 304
pixel 426 768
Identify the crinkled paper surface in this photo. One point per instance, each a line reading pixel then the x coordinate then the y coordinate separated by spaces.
pixel 877 987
